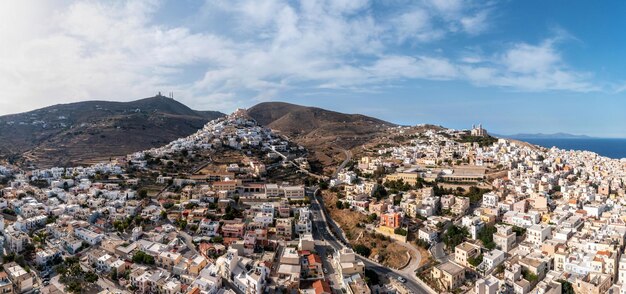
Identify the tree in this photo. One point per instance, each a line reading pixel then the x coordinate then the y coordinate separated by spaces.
pixel 454 236
pixel 566 287
pixel 143 194
pixel 519 231
pixel 422 243
pixel 362 250
pixel 398 185
pixel 113 274
pixel 191 205
pixel 339 204
pixel 73 276
pixel 168 204
pixel 91 277
pixel 379 193
pixel 486 236
pixel 529 276
pixel 400 231
pixel 371 277
pixel 142 258
pixel 182 224
pixel 323 185
pixel 9 257
pixel 475 261
pixel 475 194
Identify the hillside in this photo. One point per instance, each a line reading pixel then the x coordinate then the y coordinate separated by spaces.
pixel 83 132
pixel 326 133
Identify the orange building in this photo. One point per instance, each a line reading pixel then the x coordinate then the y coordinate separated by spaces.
pixel 391 220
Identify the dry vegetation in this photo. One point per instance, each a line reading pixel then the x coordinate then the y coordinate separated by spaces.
pixel 388 252
pixel 80 133
pixel 325 133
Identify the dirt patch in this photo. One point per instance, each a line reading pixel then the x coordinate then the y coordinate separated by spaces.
pixel 395 255
pixel 349 221
pixel 383 250
pixel 425 255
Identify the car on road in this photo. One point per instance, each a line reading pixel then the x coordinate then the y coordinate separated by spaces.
pixel 325 270
pixel 401 279
pixel 45 282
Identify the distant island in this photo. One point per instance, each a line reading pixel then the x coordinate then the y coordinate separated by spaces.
pixel 545 136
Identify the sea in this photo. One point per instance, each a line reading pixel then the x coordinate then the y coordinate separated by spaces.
pixel 612 148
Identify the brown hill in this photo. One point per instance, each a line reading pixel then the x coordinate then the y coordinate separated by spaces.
pixel 82 132
pixel 324 132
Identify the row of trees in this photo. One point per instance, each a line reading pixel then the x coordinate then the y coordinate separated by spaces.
pixel 454 236
pixel 362 250
pixel 74 277
pixel 486 236
pixel 143 258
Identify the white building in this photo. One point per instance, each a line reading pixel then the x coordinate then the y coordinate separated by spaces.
pixel 88 236
pixel 489 285
pixel 304 224
pixel 490 199
pixel 492 259
pixel 427 234
pixel 536 234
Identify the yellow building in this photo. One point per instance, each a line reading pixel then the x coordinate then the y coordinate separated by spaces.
pixel 197 264
pixel 409 178
pixel 593 283
pixel 168 259
pixel 464 251
pixel 449 275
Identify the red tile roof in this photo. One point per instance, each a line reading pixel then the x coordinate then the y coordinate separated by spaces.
pixel 314 258
pixel 321 287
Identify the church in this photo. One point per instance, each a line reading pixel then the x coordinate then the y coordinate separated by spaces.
pixel 478 131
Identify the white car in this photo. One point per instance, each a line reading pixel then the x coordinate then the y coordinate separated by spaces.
pixel 401 279
pixel 325 270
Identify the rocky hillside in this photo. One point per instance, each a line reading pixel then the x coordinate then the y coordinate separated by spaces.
pixel 326 133
pixel 84 132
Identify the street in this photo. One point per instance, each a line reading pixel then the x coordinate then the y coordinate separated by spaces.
pixel 322 230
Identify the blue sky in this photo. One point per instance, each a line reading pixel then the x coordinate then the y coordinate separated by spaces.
pixel 515 66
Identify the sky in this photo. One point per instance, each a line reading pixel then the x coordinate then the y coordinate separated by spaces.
pixel 514 66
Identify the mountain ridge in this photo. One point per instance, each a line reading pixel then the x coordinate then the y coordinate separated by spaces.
pixel 72 133
pixel 325 133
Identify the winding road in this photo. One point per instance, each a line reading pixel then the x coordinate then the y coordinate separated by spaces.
pixel 348 154
pixel 324 230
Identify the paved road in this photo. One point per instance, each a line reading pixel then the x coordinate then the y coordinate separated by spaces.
pixel 437 252
pixel 348 154
pixel 415 259
pixel 201 166
pixel 188 241
pixel 284 157
pixel 322 227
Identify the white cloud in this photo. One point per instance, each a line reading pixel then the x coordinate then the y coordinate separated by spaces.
pixel 475 24
pixel 417 25
pixel 525 58
pixel 241 50
pixel 528 67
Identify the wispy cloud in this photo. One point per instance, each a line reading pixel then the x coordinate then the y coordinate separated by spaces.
pixel 61 52
pixel 529 67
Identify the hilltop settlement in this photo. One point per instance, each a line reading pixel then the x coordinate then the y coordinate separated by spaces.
pixel 237 208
